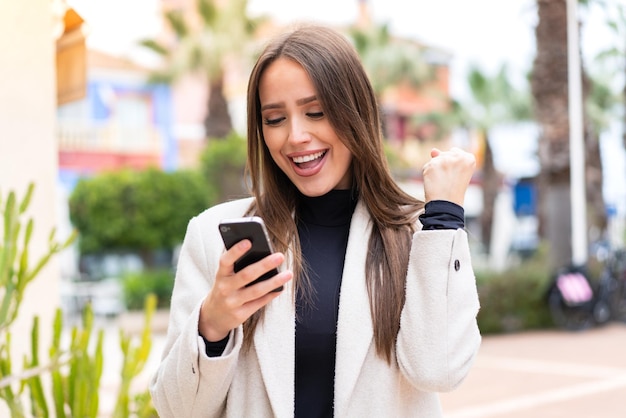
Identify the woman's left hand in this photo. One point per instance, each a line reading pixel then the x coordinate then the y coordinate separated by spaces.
pixel 447 175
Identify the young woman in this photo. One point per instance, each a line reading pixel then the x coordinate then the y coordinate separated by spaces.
pixel 378 311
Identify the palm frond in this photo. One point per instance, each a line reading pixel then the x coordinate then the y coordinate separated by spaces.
pixel 161 77
pixel 154 46
pixel 208 12
pixel 176 19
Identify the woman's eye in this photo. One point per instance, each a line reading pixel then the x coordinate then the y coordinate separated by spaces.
pixel 316 115
pixel 272 122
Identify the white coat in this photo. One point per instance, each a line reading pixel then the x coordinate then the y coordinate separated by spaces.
pixel 436 345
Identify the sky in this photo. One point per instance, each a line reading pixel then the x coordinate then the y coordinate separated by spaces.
pixel 486 33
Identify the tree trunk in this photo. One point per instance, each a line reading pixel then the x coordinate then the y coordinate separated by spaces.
pixel 596 210
pixel 549 84
pixel 490 186
pixel 217 123
pixel 549 88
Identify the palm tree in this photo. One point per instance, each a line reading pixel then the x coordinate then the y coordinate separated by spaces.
pixel 549 88
pixel 604 104
pixel 204 42
pixel 617 23
pixel 601 110
pixel 493 101
pixel 391 62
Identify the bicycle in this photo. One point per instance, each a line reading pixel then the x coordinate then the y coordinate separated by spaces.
pixel 576 303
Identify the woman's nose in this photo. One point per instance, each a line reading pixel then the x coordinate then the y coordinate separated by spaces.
pixel 298 131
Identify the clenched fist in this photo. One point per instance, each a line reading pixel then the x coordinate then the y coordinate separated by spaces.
pixel 447 175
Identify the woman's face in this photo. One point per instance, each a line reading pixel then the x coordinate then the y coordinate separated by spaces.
pixel 297 132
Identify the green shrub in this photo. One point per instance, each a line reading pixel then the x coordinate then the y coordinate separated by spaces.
pixel 515 300
pixel 137 285
pixel 139 211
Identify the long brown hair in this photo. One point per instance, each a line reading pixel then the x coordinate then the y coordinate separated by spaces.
pixel 349 103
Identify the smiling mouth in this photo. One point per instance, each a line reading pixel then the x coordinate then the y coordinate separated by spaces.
pixel 306 160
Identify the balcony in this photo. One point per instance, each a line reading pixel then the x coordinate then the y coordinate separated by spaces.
pixel 85 147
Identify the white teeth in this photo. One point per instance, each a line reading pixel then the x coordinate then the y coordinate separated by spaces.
pixel 306 158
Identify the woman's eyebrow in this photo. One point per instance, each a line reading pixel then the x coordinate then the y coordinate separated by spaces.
pixel 306 100
pixel 279 105
pixel 272 106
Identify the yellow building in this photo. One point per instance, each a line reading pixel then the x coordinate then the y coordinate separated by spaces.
pixel 28 146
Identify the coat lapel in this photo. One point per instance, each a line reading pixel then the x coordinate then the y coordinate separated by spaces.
pixel 354 325
pixel 274 342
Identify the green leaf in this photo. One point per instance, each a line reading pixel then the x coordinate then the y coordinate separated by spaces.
pixel 208 12
pixel 154 46
pixel 176 20
pixel 34 339
pixel 39 405
pixel 58 393
pixel 27 198
pixel 11 226
pixel 7 299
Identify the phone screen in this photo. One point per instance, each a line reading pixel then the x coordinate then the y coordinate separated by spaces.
pixel 253 229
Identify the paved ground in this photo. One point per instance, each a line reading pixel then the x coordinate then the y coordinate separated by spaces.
pixel 542 374
pixel 546 374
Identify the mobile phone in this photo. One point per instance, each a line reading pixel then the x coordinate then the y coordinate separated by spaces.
pixel 253 229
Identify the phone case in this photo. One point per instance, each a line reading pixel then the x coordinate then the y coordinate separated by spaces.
pixel 252 228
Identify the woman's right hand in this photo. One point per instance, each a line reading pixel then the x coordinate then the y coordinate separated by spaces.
pixel 229 303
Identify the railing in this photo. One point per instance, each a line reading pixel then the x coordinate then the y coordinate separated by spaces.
pixel 80 136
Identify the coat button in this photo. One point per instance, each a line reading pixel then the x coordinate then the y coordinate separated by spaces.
pixel 457 265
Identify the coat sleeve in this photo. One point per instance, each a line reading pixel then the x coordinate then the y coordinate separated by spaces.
pixel 187 382
pixel 439 336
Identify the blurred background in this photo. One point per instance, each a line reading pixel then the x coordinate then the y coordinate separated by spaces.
pixel 163 84
pixel 129 119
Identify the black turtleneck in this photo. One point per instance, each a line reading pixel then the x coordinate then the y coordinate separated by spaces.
pixel 323 225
